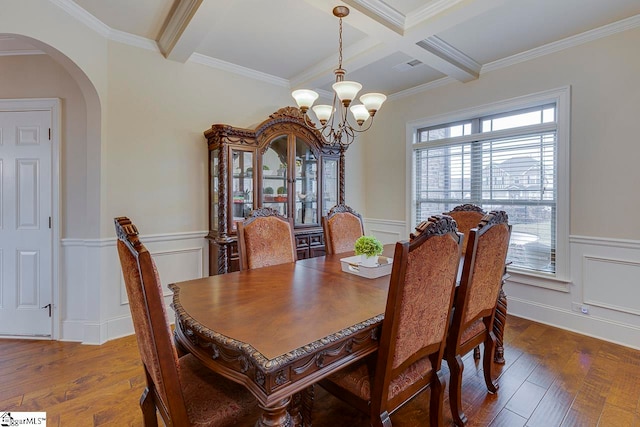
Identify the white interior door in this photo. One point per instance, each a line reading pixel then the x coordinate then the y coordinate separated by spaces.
pixel 25 223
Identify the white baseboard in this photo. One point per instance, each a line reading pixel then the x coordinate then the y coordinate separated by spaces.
pixel 592 326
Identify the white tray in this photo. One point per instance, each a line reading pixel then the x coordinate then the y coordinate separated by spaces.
pixel 352 265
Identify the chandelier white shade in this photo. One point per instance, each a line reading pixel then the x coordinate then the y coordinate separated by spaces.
pixel 335 125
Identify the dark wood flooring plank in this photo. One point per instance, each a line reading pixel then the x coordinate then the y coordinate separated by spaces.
pixel 507 418
pixel 526 399
pixel 586 382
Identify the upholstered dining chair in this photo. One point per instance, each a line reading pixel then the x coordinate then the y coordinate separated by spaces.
pixel 414 329
pixel 342 226
pixel 182 390
pixel 265 238
pixel 467 216
pixel 475 304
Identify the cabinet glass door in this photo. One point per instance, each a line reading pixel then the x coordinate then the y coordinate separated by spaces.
pixel 306 189
pixel 330 184
pixel 241 186
pixel 213 186
pixel 274 176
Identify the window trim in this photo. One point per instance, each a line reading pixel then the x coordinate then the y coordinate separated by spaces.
pixel 562 98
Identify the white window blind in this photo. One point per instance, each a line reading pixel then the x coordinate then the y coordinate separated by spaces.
pixel 506 161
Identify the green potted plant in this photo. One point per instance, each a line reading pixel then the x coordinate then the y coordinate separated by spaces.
pixel 368 247
pixel 282 194
pixel 268 194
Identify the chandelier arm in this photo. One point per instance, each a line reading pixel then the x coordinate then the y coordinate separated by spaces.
pixel 308 122
pixel 347 136
pixel 361 129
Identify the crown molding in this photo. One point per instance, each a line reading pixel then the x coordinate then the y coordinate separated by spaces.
pixel 399 21
pixel 428 11
pixel 237 69
pixel 133 40
pixel 83 16
pixel 569 42
pixel 382 10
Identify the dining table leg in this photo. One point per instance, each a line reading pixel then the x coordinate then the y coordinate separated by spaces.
pixel 275 415
pixel 301 406
pixel 295 409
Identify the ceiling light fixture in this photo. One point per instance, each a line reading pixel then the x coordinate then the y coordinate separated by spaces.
pixel 334 119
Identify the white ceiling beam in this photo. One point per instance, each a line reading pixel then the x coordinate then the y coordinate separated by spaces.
pixel 189 24
pixel 413 35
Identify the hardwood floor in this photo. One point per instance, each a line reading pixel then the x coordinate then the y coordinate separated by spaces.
pixel 552 378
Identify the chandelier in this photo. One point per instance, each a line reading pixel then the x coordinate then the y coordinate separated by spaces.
pixel 335 126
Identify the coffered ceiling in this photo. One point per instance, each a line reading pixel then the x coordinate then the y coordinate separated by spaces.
pixel 392 46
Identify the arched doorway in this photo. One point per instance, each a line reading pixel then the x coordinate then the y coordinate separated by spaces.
pixel 76 210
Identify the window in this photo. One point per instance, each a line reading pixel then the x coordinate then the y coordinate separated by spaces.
pixel 511 157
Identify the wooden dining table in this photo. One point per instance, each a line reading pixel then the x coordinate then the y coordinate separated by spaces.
pixel 279 329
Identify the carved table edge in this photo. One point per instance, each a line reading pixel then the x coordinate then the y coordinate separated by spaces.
pixel 260 361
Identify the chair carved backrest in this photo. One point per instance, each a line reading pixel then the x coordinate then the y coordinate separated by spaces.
pixel 342 227
pixel 417 314
pixel 153 333
pixel 467 216
pixel 482 273
pixel 265 238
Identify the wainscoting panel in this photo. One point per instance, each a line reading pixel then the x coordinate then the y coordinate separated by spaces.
pixel 93 297
pixel 387 231
pixel 612 283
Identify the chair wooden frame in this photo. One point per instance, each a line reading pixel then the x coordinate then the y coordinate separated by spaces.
pixel 380 405
pixel 163 347
pixel 258 215
pixel 478 326
pixel 332 215
pixel 152 323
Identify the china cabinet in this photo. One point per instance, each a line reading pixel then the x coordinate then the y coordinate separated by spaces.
pixel 280 164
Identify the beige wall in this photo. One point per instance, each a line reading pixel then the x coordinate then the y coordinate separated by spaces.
pixel 38 76
pixel 604 144
pixel 157 155
pixel 156 163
